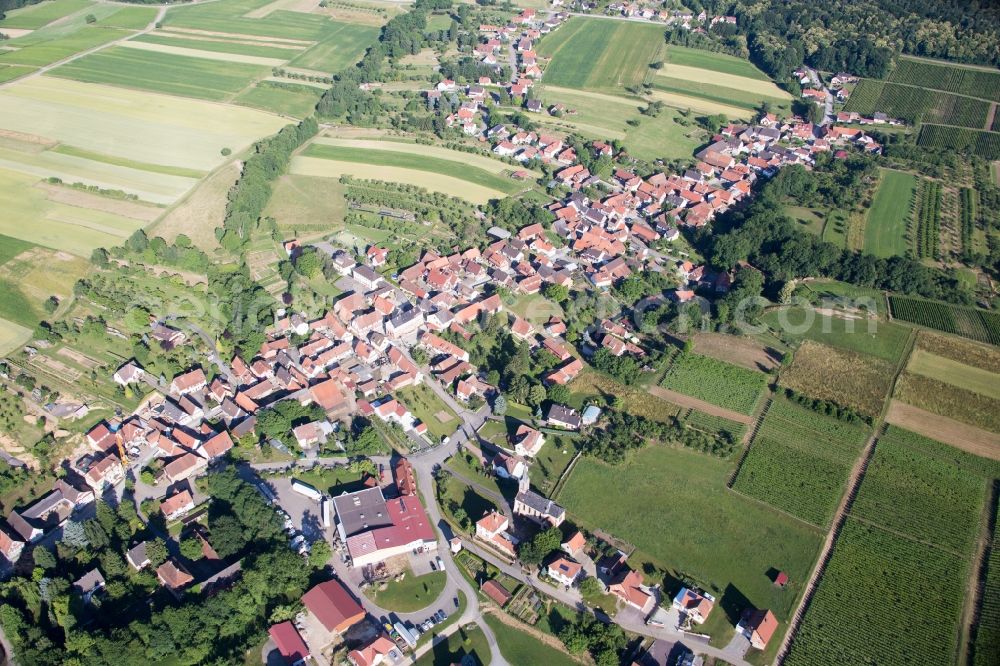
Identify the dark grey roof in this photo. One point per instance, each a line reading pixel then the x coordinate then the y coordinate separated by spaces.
pixel 137 555
pixel 89 582
pixel 543 505
pixel 362 511
pixel 563 414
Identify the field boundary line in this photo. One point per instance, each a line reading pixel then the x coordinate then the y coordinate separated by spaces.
pixel 837 525
pixel 561 481
pixel 904 535
pixel 749 438
pixel 971 614
pixel 990 116
pixel 936 90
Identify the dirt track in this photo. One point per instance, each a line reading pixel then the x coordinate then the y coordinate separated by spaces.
pixel 687 401
pixel 960 435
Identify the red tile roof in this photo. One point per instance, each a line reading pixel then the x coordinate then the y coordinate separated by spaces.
pixel 288 641
pixel 333 606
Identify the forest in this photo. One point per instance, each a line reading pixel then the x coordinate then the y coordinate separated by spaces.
pixel 782 34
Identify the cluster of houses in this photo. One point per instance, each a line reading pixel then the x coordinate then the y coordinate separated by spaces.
pixel 511 44
pixel 374 524
pixel 674 17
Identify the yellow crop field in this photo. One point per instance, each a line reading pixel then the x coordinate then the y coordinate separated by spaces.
pixel 142 126
pixel 31 216
pixel 723 79
pixel 313 166
pixel 700 105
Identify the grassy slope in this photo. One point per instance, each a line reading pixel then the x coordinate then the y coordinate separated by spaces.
pixel 716 62
pixel 444 167
pixel 298 102
pixel 36 16
pixel 885 230
pixel 519 647
pixel 727 541
pixel 593 53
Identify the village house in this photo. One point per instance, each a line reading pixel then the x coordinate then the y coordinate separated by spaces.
pixel 694 606
pixel 564 571
pixel 628 587
pixel 177 505
pixel 492 529
pixel 758 626
pixel 561 416
pixel 289 643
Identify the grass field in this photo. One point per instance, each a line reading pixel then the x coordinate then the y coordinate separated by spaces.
pixel 183 172
pixel 457 187
pixel 876 337
pixel 885 227
pixel 691 77
pixel 800 460
pixel 519 647
pixel 12 336
pixel 130 18
pixel 163 72
pixel 847 378
pixel 343 46
pixel 172 49
pixel 36 16
pixel 139 126
pixel 231 16
pixel 603 116
pixel 10 247
pixel 149 186
pixel 964 376
pixel 410 594
pixel 599 54
pixel 715 381
pixel 716 62
pixel 452 168
pixel 700 104
pixel 947 399
pixel 307 203
pixel 729 544
pixel 39 52
pixel 286 98
pixel 30 216
pixel 468 642
pixel 429 408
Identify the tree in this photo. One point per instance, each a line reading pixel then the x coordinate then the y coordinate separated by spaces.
pixel 191 549
pixel 500 405
pixel 556 292
pixel 535 551
pixel 156 551
pixel 44 558
pixel 536 395
pixel 309 264
pixel 419 356
pixel 591 587
pixel 559 393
